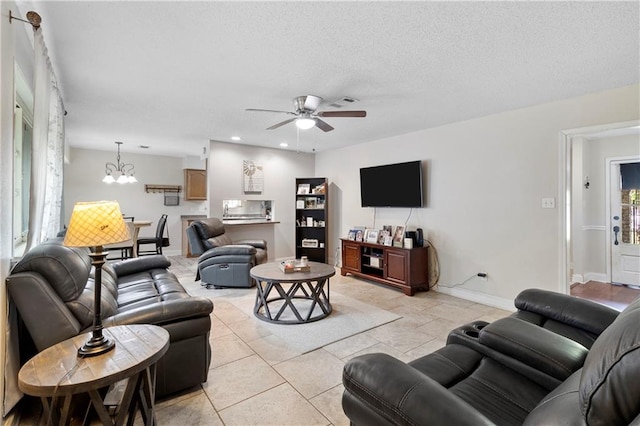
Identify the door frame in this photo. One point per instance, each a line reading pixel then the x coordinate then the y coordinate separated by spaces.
pixel 610 161
pixel 566 138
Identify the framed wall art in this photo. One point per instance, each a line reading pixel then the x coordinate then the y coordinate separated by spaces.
pixel 253 177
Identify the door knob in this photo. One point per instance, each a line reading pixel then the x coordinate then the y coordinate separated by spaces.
pixel 616 229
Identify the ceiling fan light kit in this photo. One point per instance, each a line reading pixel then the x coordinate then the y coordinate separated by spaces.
pixel 307 116
pixel 305 123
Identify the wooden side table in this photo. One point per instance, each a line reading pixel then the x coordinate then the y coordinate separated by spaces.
pixel 56 374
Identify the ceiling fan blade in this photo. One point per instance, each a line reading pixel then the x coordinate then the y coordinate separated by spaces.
pixel 323 125
pixel 342 114
pixel 311 103
pixel 268 110
pixel 282 123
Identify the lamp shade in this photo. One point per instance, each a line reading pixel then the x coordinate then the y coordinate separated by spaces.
pixel 96 223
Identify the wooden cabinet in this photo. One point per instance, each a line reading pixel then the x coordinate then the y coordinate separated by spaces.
pixel 402 268
pixel 195 182
pixel 312 196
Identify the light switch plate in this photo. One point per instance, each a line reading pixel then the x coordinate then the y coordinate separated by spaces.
pixel 548 203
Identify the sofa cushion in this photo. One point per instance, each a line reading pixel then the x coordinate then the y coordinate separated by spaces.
pixel 82 306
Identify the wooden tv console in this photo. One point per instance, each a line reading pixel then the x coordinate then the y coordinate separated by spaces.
pixel 402 268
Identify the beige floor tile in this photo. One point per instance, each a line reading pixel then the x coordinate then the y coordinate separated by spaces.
pixel 440 328
pixel 426 349
pixel 329 403
pixel 272 349
pixel 228 348
pixel 417 316
pixel 453 313
pixel 218 328
pixel 249 329
pixel 280 406
pixel 196 410
pixel 403 335
pixel 227 312
pixel 239 380
pixel 351 345
pixel 312 373
pixel 380 348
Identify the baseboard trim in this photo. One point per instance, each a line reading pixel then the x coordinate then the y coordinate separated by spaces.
pixel 476 296
pixel 589 276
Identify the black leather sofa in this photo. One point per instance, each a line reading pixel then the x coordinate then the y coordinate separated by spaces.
pixel 223 262
pixel 53 285
pixel 513 371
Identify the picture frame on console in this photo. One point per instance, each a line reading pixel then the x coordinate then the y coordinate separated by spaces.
pixel 372 236
pixel 398 236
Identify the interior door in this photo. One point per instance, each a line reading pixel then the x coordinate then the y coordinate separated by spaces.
pixel 625 222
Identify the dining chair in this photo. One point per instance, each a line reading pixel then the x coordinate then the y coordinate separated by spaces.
pixel 159 241
pixel 125 248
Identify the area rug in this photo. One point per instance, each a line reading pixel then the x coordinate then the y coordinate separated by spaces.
pixel 348 317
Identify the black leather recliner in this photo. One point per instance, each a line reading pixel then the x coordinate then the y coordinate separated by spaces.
pixel 510 372
pixel 223 262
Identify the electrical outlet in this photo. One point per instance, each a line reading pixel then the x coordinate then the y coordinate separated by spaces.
pixel 483 276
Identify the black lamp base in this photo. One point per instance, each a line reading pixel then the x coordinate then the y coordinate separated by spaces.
pixel 97 345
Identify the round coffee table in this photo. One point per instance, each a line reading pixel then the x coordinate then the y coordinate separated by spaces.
pixel 305 300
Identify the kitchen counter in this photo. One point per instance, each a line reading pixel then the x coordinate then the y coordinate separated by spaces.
pixel 235 222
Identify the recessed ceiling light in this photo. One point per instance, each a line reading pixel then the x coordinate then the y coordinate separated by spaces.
pixel 235 138
pixel 284 144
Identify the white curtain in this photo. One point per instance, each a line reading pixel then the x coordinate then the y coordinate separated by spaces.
pixel 45 202
pixel 47 152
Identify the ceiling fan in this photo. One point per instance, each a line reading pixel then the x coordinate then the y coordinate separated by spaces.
pixel 306 115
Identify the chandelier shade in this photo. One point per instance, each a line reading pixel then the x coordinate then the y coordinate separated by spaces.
pixel 119 172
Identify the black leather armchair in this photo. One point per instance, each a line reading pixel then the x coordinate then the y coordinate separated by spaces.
pixel 223 262
pixel 511 371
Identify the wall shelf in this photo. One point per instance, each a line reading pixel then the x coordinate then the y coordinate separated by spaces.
pixel 162 188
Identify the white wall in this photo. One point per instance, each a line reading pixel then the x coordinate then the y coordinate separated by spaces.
pixel 589 205
pixel 485 181
pixel 83 182
pixel 281 168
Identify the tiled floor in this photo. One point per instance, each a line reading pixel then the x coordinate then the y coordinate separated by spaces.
pixel 255 380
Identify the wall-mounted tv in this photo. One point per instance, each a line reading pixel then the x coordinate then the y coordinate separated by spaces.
pixel 392 185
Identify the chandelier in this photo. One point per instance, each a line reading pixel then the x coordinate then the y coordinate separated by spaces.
pixel 124 171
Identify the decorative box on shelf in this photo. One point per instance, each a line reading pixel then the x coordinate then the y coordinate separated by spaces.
pixel 291 266
pixel 309 243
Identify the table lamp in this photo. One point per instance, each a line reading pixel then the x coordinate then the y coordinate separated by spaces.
pixel 95 224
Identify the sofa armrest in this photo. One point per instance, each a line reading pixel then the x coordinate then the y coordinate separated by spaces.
pixel 229 250
pixel 45 315
pixel 535 346
pixel 140 264
pixel 163 312
pixel 262 244
pixel 380 388
pixel 581 313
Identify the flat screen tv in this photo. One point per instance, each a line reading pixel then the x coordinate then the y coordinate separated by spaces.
pixel 392 185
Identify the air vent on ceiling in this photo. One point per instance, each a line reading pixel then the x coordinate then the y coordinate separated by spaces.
pixel 346 100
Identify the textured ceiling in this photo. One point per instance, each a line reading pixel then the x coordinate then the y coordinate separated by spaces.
pixel 173 75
